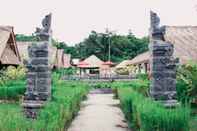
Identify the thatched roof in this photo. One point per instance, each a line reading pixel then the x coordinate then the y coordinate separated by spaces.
pixel 141 58
pixel 123 64
pixel 9 53
pixel 184 40
pixel 23 50
pixel 93 62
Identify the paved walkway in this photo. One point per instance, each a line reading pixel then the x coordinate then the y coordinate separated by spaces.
pixel 100 112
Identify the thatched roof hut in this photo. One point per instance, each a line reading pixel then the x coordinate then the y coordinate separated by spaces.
pixel 9 54
pixel 93 62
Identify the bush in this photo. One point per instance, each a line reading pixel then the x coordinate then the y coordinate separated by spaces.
pixel 12 83
pixel 147 115
pixel 187 82
pixel 142 76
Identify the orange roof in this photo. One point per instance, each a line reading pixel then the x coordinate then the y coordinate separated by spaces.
pixel 108 63
pixel 82 64
pixel 93 62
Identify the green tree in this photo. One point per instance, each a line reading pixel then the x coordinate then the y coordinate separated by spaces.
pixel 122 47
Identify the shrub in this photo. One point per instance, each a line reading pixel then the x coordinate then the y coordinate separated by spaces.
pixel 187 82
pixel 142 76
pixel 147 115
pixel 14 73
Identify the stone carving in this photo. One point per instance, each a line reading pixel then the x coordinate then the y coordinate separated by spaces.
pixel 156 32
pixel 39 74
pixel 44 33
pixel 162 66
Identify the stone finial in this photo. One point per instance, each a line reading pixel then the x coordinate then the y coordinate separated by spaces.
pixel 45 32
pixel 154 20
pixel 156 32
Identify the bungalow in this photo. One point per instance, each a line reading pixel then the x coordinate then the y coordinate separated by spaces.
pixel 184 40
pixel 9 54
pixel 90 66
pixel 93 66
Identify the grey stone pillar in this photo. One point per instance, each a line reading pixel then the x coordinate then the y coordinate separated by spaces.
pixel 39 73
pixel 162 65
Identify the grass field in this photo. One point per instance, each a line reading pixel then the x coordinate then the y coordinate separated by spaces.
pixel 56 115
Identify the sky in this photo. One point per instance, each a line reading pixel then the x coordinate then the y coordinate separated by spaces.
pixel 73 20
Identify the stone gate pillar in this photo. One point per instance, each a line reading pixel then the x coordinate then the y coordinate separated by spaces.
pixel 162 65
pixel 39 74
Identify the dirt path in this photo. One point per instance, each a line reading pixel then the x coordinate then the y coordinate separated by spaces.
pixel 100 112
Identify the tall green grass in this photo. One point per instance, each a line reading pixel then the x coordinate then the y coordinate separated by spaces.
pixel 56 114
pixel 141 86
pixel 12 90
pixel 146 115
pixel 12 83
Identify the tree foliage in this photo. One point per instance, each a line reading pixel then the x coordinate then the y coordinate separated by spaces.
pixel 22 37
pixel 121 46
pixel 187 81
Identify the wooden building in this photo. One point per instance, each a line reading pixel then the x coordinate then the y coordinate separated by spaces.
pixel 9 54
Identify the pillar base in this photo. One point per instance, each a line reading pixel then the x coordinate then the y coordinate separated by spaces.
pixel 31 108
pixel 170 103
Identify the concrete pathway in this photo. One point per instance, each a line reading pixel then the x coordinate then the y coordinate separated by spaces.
pixel 100 112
